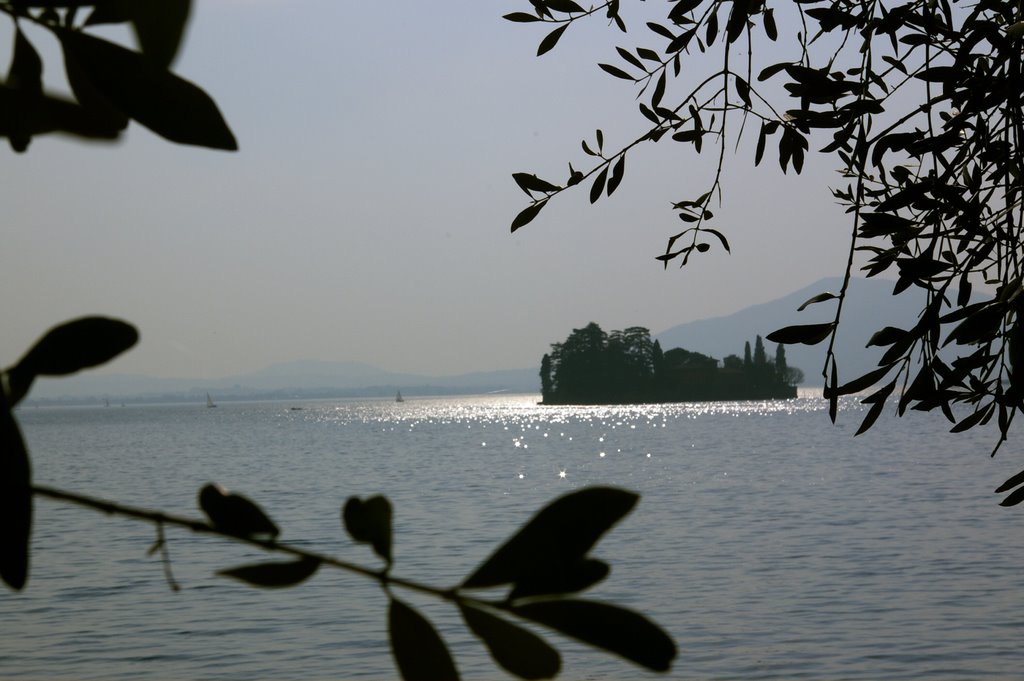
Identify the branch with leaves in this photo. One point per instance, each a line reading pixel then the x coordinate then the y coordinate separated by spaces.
pixel 111 84
pixel 541 566
pixel 919 103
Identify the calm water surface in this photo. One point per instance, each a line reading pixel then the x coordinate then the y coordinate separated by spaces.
pixel 768 543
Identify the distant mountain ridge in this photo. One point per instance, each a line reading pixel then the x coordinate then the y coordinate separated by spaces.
pixel 870 306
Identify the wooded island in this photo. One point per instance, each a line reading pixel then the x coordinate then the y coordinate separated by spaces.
pixel 627 367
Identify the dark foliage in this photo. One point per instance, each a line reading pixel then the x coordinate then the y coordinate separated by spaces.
pixel 920 104
pixel 112 84
pixel 626 367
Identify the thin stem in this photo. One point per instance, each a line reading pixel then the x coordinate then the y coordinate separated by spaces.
pixel 165 557
pixel 160 519
pixel 199 526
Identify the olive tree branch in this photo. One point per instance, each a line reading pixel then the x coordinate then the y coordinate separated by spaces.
pixel 160 519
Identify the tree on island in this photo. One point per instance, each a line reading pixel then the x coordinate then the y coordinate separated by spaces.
pixel 627 367
pixel 917 101
pixel 539 568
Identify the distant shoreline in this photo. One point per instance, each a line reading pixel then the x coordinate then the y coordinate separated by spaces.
pixel 199 397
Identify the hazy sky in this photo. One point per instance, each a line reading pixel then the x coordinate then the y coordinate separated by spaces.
pixel 366 216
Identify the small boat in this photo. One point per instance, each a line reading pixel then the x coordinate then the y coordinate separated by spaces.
pixel 209 401
pixel 398 397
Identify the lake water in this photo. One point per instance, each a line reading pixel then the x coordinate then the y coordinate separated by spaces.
pixel 767 542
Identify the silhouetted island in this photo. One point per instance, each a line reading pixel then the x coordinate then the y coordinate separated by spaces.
pixel 627 367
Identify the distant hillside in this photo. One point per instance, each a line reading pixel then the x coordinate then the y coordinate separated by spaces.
pixel 869 306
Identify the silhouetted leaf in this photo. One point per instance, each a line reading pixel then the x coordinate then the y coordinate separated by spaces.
pixel 420 653
pixel 808 334
pixel 111 12
pixel 661 30
pixel 608 627
pixel 615 71
pixel 575 177
pixel 886 336
pixel 659 90
pixel 23 115
pixel 629 58
pixel 14 385
pixel 770 71
pixel 688 135
pixel 978 416
pixel 940 74
pixel 964 291
pixel 792 147
pixel 78 344
pixel 26 68
pixel 895 63
pixel 618 170
pixel 25 78
pixel 597 188
pixel 862 383
pixel 979 327
pixel 721 237
pixel 159 27
pixel 922 388
pixel 560 534
pixel 15 503
pixel 517 650
pixel 89 96
pixel 833 399
pixel 737 20
pixel 877 402
pixel 743 90
pixel 648 54
pixel 899 348
pixel 711 27
pixel 166 104
pixel 550 40
pixel 762 139
pixel 529 182
pixel 681 10
pixel 565 6
pixel 561 578
pixel 521 17
pixel 770 29
pixel 1014 481
pixel 821 297
pixel 369 522
pixel 1013 498
pixel 527 214
pixel 233 513
pixel 274 575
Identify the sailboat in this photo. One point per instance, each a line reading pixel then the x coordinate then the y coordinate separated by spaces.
pixel 398 397
pixel 209 401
